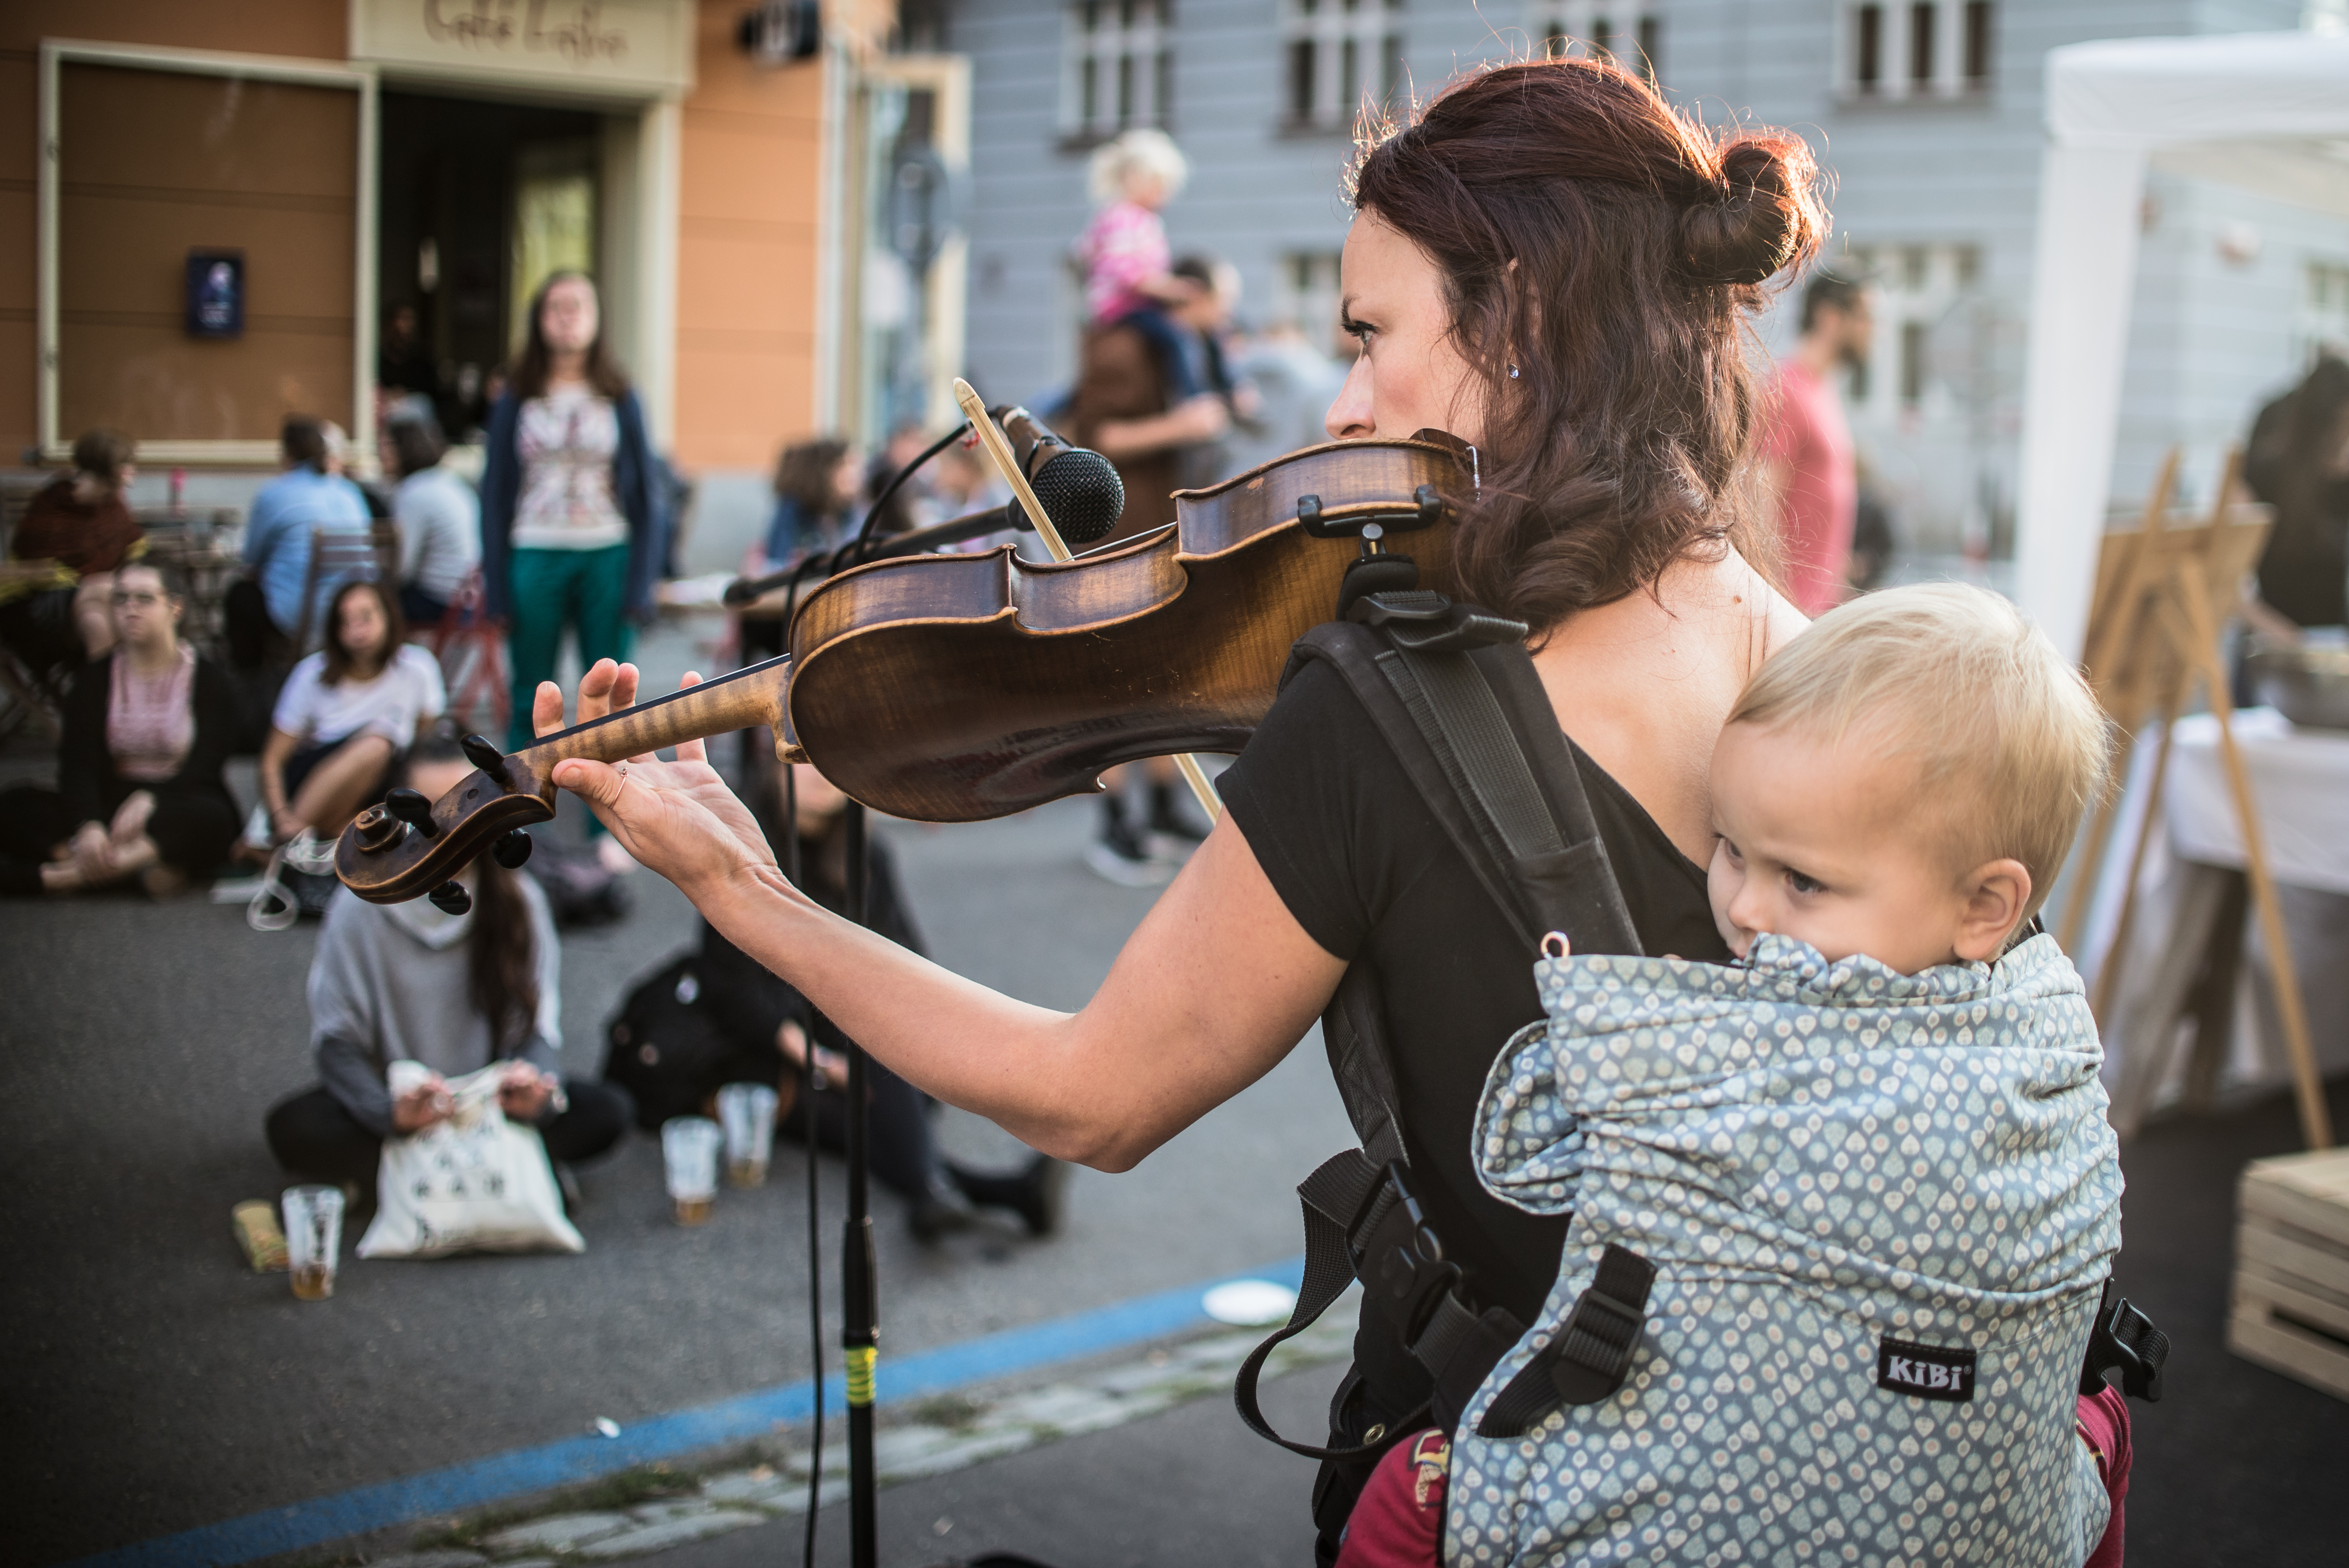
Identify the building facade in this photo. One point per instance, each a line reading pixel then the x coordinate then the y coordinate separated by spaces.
pixel 214 211
pixel 1927 115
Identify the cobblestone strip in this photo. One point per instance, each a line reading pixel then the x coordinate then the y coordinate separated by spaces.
pixel 925 1437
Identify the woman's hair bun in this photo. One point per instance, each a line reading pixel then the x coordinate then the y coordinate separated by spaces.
pixel 1761 217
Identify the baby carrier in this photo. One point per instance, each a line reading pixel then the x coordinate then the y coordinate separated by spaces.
pixel 1726 1421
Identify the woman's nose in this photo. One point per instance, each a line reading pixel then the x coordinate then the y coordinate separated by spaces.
pixel 1348 418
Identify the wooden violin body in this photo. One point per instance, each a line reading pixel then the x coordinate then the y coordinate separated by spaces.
pixel 952 688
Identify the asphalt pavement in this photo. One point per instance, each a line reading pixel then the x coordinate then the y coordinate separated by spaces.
pixel 155 1384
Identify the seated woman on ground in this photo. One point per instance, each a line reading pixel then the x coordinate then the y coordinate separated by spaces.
pixel 140 792
pixel 347 713
pixel 406 982
pixel 76 531
pixel 772 1024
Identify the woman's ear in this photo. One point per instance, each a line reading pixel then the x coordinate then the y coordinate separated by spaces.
pixel 1996 894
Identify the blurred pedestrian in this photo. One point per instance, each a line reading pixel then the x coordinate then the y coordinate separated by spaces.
pixel 570 517
pixel 2298 462
pixel 309 495
pixel 347 716
pixel 817 483
pixel 1295 383
pixel 440 520
pixel 1808 484
pixel 77 527
pixel 1209 345
pixel 912 506
pixel 139 789
pixel 406 982
pixel 1127 260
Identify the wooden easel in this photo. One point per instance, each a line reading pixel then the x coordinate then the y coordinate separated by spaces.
pixel 2161 595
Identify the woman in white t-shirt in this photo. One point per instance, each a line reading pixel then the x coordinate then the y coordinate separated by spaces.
pixel 346 716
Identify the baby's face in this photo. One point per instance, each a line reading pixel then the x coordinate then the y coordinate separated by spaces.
pixel 1826 843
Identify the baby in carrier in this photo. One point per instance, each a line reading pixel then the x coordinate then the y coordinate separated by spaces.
pixel 1844 1206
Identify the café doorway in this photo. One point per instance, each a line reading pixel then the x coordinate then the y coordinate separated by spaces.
pixel 477 200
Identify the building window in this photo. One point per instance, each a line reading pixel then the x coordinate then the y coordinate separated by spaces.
pixel 1925 51
pixel 2325 310
pixel 1340 52
pixel 1921 292
pixel 1622 31
pixel 1308 295
pixel 1117 67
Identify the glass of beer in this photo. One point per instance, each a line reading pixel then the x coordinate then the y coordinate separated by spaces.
pixel 314 1239
pixel 746 1111
pixel 690 1147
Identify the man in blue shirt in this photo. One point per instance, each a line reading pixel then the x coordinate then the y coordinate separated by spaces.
pixel 309 494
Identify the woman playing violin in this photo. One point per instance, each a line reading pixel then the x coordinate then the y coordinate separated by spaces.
pixel 1556 267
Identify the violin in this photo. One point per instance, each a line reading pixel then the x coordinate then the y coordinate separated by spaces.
pixel 955 688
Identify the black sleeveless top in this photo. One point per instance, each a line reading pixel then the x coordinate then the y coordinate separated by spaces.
pixel 1371 875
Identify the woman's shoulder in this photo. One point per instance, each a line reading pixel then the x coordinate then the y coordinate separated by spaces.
pixel 308 670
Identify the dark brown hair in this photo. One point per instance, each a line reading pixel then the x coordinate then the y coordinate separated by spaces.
pixel 804 474
pixel 416 445
pixel 340 660
pixel 530 370
pixel 502 957
pixel 304 442
pixel 101 454
pixel 1610 251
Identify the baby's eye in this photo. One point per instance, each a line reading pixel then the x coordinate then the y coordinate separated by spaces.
pixel 1729 848
pixel 1804 884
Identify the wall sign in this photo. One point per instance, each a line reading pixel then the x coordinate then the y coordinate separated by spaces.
pixel 216 294
pixel 620 48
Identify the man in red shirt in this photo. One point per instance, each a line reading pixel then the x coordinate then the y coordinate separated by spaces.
pixel 1809 481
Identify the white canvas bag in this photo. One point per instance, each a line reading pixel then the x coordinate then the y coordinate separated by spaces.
pixel 475 1182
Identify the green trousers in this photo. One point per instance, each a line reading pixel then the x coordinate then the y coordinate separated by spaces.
pixel 548 590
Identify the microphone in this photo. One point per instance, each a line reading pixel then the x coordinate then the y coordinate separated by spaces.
pixel 1080 488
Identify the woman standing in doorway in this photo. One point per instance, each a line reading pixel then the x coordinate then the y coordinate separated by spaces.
pixel 571 521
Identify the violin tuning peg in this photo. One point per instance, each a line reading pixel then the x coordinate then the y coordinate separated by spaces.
pixel 484 755
pixel 413 809
pixel 513 850
pixel 450 898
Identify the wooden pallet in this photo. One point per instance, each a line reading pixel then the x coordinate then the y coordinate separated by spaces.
pixel 2291 1269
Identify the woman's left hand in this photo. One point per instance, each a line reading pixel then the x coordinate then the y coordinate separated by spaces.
pixel 677 817
pixel 524 1091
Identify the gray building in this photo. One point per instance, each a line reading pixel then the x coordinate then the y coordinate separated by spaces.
pixel 1927 115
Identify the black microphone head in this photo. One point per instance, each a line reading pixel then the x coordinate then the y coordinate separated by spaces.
pixel 1082 493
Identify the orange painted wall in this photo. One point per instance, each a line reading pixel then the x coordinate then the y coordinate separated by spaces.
pixel 309 28
pixel 750 151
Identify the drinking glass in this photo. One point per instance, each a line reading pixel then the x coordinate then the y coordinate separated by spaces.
pixel 314 1239
pixel 689 1147
pixel 746 1111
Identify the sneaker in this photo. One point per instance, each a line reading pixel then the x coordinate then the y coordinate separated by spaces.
pixel 256 835
pixel 1119 856
pixel 1043 1195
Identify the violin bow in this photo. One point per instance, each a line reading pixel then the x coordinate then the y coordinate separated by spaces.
pixel 998 451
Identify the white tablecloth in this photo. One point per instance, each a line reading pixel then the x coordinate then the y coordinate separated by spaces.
pixel 2300 780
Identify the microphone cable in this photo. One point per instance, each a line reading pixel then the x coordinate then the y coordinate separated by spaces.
pixel 814 1076
pixel 873 517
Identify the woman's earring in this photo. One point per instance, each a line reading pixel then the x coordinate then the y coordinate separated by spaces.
pixel 1512 372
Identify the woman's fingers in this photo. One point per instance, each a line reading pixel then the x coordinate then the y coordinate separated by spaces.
pixel 546 709
pixel 692 750
pixel 595 690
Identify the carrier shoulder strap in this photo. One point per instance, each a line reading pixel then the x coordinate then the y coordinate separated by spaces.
pixel 1454 694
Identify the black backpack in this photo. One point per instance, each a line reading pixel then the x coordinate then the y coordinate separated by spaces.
pixel 666 1046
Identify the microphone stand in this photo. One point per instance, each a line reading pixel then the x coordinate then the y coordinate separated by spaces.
pixel 860 1329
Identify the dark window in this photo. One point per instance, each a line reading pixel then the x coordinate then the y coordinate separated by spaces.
pixel 1920 43
pixel 1300 80
pixel 1651 47
pixel 1912 363
pixel 1350 76
pixel 1390 68
pixel 1868 64
pixel 1089 90
pixel 1125 90
pixel 1977 43
pixel 1602 39
pixel 1161 100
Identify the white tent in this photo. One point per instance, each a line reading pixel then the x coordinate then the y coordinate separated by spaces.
pixel 2267 111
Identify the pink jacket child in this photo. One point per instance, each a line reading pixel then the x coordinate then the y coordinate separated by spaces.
pixel 1127 260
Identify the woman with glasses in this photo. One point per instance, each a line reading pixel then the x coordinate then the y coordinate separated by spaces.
pixel 139 793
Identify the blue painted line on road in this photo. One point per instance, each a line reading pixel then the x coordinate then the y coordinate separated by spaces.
pixel 575 1460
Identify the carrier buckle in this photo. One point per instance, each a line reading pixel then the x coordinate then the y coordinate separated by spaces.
pixel 1396 1251
pixel 2124 1338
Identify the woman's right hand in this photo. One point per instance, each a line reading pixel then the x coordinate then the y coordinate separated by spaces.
pixel 420 1107
pixel 677 817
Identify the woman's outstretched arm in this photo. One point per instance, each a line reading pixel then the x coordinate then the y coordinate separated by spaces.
pixel 1209 993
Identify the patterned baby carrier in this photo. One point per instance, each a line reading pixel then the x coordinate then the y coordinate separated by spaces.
pixel 1453 692
pixel 1845 1231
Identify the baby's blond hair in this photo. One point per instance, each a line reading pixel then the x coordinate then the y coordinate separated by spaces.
pixel 1955 678
pixel 1143 149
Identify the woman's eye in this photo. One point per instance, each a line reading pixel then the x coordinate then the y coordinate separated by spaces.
pixel 1804 884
